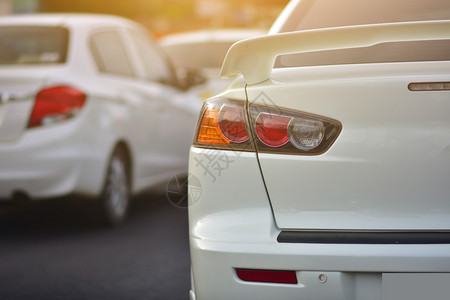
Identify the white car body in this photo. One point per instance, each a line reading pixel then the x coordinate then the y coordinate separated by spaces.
pixel 366 216
pixel 153 121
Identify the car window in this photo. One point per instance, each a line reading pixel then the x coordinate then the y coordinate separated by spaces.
pixel 110 54
pixel 381 53
pixel 153 61
pixel 25 45
pixel 199 54
pixel 314 14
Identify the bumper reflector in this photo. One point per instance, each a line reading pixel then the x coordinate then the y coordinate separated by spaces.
pixel 271 276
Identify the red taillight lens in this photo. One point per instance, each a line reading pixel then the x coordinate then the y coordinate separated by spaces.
pixel 223 125
pixel 232 123
pixel 272 129
pixel 56 104
pixel 270 276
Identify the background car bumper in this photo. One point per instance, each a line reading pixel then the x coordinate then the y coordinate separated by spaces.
pixel 45 162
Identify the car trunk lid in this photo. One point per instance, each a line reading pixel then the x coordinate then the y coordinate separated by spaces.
pixel 29 53
pixel 389 167
pixel 18 88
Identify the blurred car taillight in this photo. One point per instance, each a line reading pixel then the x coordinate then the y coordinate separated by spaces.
pixel 55 104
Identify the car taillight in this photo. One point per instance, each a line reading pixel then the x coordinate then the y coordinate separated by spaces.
pixel 285 131
pixel 232 124
pixel 55 104
pixel 223 125
pixel 272 129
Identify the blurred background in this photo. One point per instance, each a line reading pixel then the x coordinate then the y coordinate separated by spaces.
pixel 56 249
pixel 163 17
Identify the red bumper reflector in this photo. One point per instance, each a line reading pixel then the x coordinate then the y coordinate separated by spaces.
pixel 270 276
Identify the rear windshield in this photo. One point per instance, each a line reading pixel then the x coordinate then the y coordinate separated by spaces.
pixel 314 14
pixel 33 45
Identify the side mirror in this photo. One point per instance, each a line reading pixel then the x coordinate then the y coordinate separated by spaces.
pixel 190 77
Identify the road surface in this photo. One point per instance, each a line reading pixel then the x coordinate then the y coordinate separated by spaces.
pixel 53 251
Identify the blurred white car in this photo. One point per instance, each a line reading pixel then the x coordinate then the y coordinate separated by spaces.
pixel 204 51
pixel 89 106
pixel 328 178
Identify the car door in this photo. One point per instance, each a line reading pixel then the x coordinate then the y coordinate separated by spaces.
pixel 176 111
pixel 139 103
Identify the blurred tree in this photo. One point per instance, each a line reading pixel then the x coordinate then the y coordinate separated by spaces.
pixel 165 16
pixel 24 6
pixel 130 8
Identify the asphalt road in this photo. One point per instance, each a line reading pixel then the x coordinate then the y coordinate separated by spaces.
pixel 54 251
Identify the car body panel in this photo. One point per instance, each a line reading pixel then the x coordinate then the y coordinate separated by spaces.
pixel 231 226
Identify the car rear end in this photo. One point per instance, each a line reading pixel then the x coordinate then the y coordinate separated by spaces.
pixel 39 131
pixel 325 182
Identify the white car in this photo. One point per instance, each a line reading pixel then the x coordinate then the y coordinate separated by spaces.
pixel 328 178
pixel 203 51
pixel 89 106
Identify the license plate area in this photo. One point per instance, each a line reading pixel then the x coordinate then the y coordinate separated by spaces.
pixel 416 286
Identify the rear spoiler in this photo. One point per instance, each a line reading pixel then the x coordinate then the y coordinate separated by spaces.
pixel 254 58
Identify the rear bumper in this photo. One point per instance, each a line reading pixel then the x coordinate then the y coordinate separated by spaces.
pixel 232 227
pixel 48 162
pixel 352 271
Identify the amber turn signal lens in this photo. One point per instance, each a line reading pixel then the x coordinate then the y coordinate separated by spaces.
pixel 209 132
